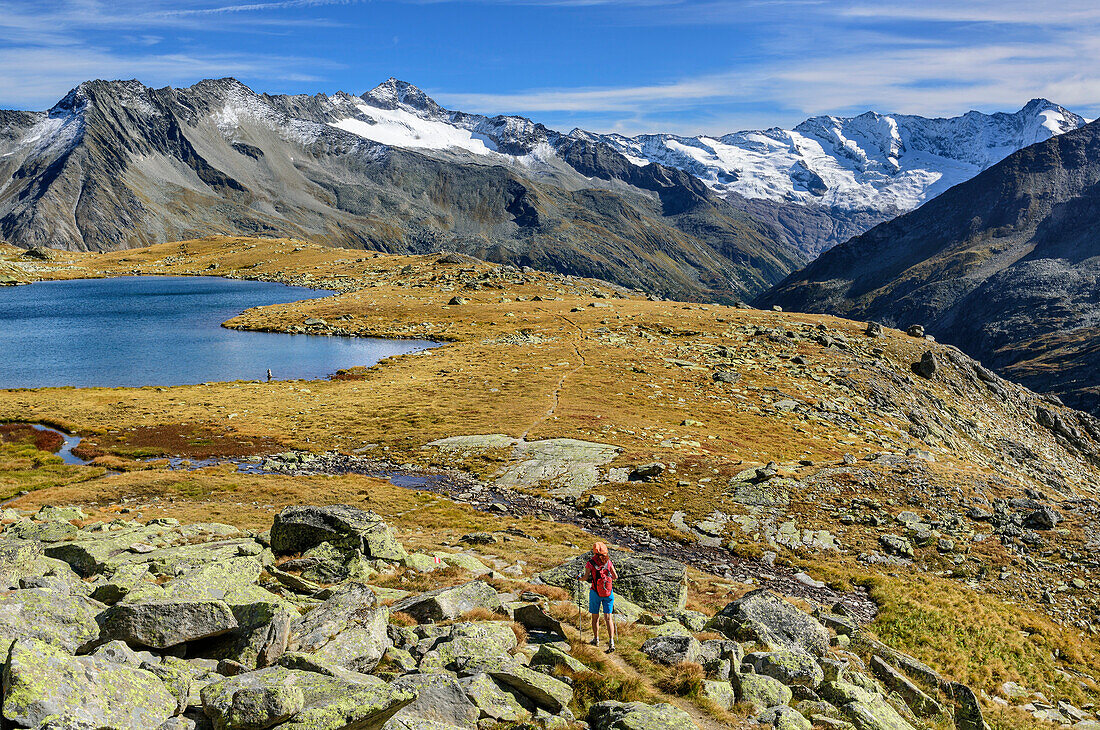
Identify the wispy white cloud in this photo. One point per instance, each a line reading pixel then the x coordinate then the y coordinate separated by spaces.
pixel 253 7
pixel 806 57
pixel 49 46
pixel 937 57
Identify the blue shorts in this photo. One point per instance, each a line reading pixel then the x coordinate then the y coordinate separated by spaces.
pixel 595 600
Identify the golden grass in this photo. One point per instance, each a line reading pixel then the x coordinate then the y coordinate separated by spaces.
pixel 979 639
pixel 24 468
pixel 590 688
pixel 683 680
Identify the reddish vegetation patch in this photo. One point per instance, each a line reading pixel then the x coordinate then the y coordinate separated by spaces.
pixel 354 374
pixel 193 442
pixel 23 433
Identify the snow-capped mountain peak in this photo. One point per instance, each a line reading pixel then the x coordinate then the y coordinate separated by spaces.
pixel 886 163
pixel 394 94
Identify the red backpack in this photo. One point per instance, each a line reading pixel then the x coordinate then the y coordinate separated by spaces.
pixel 601 578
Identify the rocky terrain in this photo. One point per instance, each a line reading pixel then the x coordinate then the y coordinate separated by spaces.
pixel 1004 266
pixel 124 624
pixel 913 503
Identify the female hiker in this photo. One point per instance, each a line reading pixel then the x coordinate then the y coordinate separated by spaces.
pixel 599 572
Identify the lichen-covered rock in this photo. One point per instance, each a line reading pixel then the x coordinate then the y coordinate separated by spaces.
pixel 43 682
pixel 612 715
pixel 789 667
pixel 668 628
pixel 56 513
pixel 968 712
pixel 445 604
pixel 692 620
pixel 164 623
pixel 466 562
pixel 218 581
pixel 865 708
pixel 550 656
pixel 125 579
pixel 919 702
pixel 328 703
pixel 177 676
pixel 783 718
pixel 546 692
pixel 533 618
pixel 759 691
pixel 470 642
pixel 17 559
pixel 765 617
pixel 262 634
pixel 422 563
pixel 104 551
pixel 297 529
pixel 317 665
pixel 720 693
pixel 441 700
pixel 653 582
pixel 65 621
pixel 349 629
pixel 493 703
pixel 259 708
pixel 117 651
pixel 672 649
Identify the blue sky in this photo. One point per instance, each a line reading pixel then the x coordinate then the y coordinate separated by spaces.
pixel 632 66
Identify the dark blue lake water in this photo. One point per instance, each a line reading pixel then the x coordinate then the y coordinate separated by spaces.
pixel 154 330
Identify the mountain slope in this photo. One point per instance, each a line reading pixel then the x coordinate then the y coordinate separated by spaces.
pixel 119 165
pixel 1006 266
pixel 849 173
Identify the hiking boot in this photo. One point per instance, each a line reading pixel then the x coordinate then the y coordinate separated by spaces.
pixel 611 646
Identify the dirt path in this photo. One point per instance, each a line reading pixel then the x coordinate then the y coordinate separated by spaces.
pixel 701 719
pixel 556 394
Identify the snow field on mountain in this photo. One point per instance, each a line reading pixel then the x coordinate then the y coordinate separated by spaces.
pixel 400 128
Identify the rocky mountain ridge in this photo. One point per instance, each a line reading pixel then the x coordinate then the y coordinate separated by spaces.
pixel 117 165
pixel 1004 266
pixel 859 170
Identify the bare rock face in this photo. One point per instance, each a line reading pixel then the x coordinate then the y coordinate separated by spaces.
pixel 297 529
pixel 165 623
pixel 762 616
